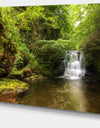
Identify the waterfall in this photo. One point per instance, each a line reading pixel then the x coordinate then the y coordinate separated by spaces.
pixel 74 65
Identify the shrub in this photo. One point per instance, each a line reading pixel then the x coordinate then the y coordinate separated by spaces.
pixel 48 53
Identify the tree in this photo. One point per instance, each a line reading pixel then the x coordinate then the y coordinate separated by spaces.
pixel 85 19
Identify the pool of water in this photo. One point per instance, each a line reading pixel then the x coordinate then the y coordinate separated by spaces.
pixel 76 95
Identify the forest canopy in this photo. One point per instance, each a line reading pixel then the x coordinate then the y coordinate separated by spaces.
pixel 37 37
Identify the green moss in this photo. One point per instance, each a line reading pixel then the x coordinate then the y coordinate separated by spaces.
pixel 32 78
pixel 16 74
pixel 15 85
pixel 20 74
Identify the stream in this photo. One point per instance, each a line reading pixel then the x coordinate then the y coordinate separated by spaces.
pixel 67 92
pixel 76 95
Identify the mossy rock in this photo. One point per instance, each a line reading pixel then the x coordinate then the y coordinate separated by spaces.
pixel 12 85
pixel 32 78
pixel 20 74
pixel 16 75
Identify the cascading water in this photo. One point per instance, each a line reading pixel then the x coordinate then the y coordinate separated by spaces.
pixel 74 65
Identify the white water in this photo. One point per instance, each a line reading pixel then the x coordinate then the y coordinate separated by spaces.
pixel 74 67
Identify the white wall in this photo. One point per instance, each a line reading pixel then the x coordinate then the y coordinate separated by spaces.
pixel 43 2
pixel 22 116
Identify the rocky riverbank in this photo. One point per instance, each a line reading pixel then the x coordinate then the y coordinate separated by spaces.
pixel 12 85
pixel 18 81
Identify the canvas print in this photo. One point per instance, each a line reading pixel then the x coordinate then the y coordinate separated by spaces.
pixel 50 56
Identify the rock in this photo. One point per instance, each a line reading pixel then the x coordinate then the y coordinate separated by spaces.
pixel 12 85
pixel 31 79
pixel 20 74
pixel 27 72
pixel 16 75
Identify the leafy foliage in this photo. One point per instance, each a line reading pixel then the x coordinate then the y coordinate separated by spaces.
pixel 85 20
pixel 37 37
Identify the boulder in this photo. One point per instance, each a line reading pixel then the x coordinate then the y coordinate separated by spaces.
pixel 16 75
pixel 12 85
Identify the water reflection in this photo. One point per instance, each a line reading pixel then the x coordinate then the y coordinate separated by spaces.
pixel 63 94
